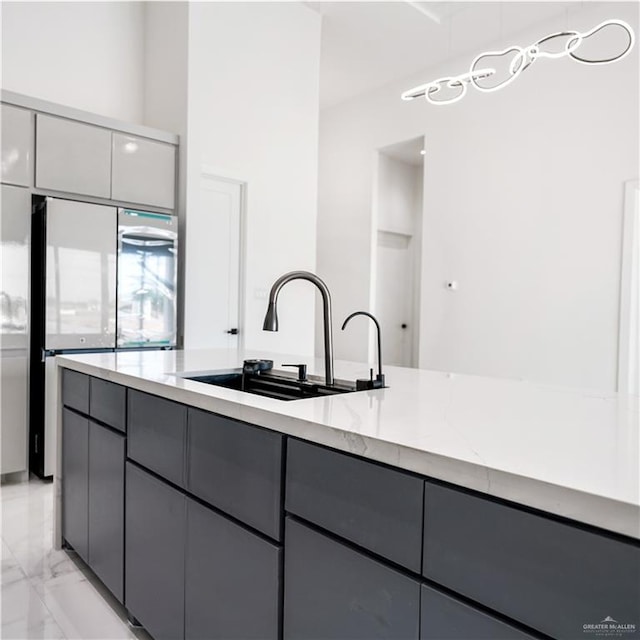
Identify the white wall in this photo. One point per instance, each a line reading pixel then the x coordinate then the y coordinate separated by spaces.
pixel 87 55
pixel 165 98
pixel 398 196
pixel 253 116
pixel 523 207
pixel 166 60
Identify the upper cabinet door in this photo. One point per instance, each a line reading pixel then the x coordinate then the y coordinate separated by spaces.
pixel 15 229
pixel 144 171
pixel 73 157
pixel 17 146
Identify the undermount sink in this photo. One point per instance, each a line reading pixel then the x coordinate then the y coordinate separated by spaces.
pixel 271 385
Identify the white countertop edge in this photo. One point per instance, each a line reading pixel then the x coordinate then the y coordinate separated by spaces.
pixel 598 511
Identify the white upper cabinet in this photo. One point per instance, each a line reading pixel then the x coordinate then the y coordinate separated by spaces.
pixel 17 146
pixel 73 157
pixel 144 171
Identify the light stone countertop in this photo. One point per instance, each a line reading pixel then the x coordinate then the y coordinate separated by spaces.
pixel 570 452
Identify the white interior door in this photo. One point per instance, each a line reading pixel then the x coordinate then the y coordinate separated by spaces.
pixel 213 266
pixel 395 297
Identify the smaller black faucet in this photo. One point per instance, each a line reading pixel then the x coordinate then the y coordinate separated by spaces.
pixel 378 383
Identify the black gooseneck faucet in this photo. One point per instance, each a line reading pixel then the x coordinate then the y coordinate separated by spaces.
pixel 271 317
pixel 378 383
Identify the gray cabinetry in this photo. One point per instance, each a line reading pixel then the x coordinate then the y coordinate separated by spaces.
pixel 373 506
pixel 93 458
pixel 202 560
pixel 237 468
pixel 72 157
pixel 333 592
pixel 157 435
pixel 551 576
pixel 144 171
pixel 106 507
pixel 108 403
pixel 75 483
pixel 443 617
pixel 155 547
pixel 232 580
pixel 75 390
pixel 17 145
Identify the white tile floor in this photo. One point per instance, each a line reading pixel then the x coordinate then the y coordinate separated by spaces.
pixel 49 594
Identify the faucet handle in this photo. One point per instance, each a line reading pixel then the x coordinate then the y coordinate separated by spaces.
pixel 302 371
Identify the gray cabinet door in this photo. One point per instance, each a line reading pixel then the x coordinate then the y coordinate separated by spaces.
pixel 154 552
pixel 373 506
pixel 445 618
pixel 72 157
pixel 548 575
pixel 75 481
pixel 332 592
pixel 157 435
pixel 237 468
pixel 17 145
pixel 144 171
pixel 232 584
pixel 106 507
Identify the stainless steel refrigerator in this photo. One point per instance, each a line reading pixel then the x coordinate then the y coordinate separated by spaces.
pixel 102 279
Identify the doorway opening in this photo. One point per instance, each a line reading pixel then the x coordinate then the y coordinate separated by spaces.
pixel 214 265
pixel 397 248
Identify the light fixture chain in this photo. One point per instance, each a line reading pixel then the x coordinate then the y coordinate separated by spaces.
pixel 523 58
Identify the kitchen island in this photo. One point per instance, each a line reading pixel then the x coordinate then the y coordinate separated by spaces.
pixel 444 506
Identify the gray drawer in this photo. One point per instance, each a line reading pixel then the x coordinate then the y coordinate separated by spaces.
pixel 332 592
pixel 237 468
pixel 375 507
pixel 549 575
pixel 75 390
pixel 108 403
pixel 445 618
pixel 156 430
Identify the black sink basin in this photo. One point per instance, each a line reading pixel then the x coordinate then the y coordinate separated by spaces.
pixel 271 385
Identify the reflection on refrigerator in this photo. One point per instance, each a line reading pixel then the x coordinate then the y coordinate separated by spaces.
pixel 146 279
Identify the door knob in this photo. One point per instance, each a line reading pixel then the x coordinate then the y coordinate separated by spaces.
pixel 233 332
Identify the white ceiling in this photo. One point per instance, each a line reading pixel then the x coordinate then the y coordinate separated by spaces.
pixel 369 44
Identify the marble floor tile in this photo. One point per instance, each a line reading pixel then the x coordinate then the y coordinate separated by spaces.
pixel 45 564
pixel 82 612
pixel 49 594
pixel 23 615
